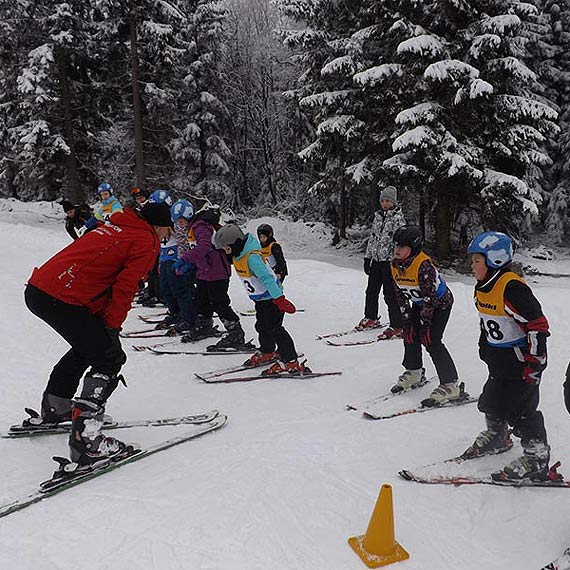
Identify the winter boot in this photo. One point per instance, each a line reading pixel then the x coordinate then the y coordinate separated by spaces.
pixel 532 464
pixel 390 333
pixel 443 394
pixel 495 439
pixel 55 409
pixel 261 359
pixel 234 337
pixel 87 444
pixel 204 328
pixel 366 323
pixel 409 379
pixel 293 367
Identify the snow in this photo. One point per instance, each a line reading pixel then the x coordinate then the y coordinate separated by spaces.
pixel 293 474
pixel 419 137
pixel 422 112
pixel 378 74
pixel 422 45
pixel 450 69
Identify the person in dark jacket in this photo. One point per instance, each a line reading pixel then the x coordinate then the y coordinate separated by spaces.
pixel 84 293
pixel 272 251
pixel 76 218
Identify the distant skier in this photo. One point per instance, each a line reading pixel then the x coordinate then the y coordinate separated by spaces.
pixel 265 290
pixel 213 279
pixel 84 293
pixel 272 251
pixel 513 345
pixel 76 218
pixel 425 301
pixel 139 196
pixel 379 253
pixel 109 205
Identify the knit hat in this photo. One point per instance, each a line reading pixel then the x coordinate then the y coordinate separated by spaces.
pixel 66 205
pixel 389 193
pixel 157 214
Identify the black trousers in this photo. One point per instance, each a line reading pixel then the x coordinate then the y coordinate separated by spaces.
pixel 86 333
pixel 212 297
pixel 380 278
pixel 507 397
pixel 272 334
pixel 440 356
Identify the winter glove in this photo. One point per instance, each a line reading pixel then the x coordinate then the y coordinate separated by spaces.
pixel 533 368
pixel 115 355
pixel 181 266
pixel 426 315
pixel 367 262
pixel 91 223
pixel 284 305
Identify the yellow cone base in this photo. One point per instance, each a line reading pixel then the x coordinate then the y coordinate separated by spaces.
pixel 376 560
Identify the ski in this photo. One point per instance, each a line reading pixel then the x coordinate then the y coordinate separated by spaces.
pixel 154 320
pixel 379 415
pixel 52 486
pixel 17 430
pixel 229 380
pixel 148 333
pixel 387 396
pixel 251 312
pixel 360 342
pixel 143 347
pixel 163 351
pixel 233 369
pixel 561 563
pixel 350 331
pixel 557 483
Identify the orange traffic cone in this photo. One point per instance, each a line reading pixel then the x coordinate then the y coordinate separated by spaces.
pixel 378 547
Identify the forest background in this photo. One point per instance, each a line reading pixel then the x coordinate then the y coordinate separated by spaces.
pixel 302 107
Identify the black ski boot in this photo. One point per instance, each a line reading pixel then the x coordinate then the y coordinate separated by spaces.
pixel 234 338
pixel 204 328
pixel 495 439
pixel 55 409
pixel 86 443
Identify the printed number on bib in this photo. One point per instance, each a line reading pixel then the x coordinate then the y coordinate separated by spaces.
pixel 492 328
pixel 250 288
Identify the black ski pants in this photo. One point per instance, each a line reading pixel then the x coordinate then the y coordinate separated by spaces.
pixel 380 278
pixel 212 297
pixel 91 345
pixel 440 356
pixel 507 397
pixel 272 333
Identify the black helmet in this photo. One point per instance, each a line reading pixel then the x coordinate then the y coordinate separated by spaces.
pixel 266 230
pixel 411 236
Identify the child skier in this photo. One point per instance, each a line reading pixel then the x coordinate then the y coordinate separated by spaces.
pixel 109 203
pixel 213 279
pixel 265 290
pixel 425 302
pixel 272 251
pixel 513 345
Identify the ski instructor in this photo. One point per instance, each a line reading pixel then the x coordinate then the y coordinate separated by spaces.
pixel 84 293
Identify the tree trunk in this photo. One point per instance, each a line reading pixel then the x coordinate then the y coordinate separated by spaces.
pixel 137 102
pixel 343 211
pixel 443 221
pixel 71 187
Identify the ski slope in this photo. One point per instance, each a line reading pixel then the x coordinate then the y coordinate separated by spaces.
pixel 293 474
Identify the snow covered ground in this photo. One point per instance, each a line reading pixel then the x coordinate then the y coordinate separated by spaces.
pixel 293 474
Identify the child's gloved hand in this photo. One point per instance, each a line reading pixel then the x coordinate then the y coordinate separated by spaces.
pixel 284 305
pixel 534 366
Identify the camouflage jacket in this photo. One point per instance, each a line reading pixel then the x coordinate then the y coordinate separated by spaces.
pixel 380 246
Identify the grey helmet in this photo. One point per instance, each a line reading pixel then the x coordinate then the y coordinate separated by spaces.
pixel 227 235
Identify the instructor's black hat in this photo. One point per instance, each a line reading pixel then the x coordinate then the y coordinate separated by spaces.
pixel 157 214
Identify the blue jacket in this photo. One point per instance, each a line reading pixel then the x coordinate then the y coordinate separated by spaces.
pixel 260 269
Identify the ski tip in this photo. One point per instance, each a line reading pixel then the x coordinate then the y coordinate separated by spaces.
pixel 404 474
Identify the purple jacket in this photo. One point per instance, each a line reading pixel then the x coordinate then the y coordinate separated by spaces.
pixel 211 264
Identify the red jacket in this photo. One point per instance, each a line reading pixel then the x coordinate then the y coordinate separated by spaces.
pixel 101 271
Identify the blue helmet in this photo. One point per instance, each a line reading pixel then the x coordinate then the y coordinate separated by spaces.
pixel 159 197
pixel 105 187
pixel 182 209
pixel 495 246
